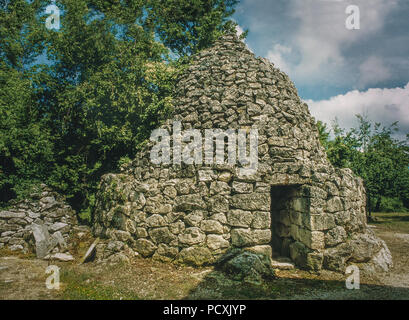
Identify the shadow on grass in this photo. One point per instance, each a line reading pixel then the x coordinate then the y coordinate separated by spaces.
pixel 217 286
pixel 222 283
pixel 385 218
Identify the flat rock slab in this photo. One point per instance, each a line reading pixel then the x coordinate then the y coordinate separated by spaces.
pixel 90 251
pixel 282 263
pixel 10 215
pixel 64 257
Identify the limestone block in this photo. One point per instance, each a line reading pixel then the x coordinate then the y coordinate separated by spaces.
pixel 334 205
pixel 335 236
pixel 141 233
pixel 322 222
pixel 215 242
pixel 261 220
pixel 251 201
pixel 242 187
pixel 9 215
pixel 191 236
pixel 161 235
pixel 189 202
pixel 249 237
pixel 155 220
pixel 312 239
pixel 145 247
pixel 239 218
pixel 211 226
pixel 194 218
pixel 218 204
pixel 196 256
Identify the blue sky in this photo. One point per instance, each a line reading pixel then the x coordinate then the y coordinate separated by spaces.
pixel 338 72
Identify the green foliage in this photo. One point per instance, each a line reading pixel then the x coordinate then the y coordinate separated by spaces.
pixel 391 205
pixel 373 153
pixel 187 26
pixel 20 34
pixel 109 82
pixel 124 161
pixel 26 150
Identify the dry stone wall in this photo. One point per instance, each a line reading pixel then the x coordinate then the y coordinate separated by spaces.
pixel 42 224
pixel 296 202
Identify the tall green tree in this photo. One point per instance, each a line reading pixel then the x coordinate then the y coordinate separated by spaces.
pixel 26 149
pixel 108 81
pixel 373 153
pixel 187 26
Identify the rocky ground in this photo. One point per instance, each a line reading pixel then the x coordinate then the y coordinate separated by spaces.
pixel 23 277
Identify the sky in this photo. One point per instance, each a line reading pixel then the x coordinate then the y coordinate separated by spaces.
pixel 338 72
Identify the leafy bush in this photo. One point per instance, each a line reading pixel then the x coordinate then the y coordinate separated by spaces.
pixel 392 205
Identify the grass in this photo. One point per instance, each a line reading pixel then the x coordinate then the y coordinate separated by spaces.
pixel 6 252
pixel 81 286
pixel 393 221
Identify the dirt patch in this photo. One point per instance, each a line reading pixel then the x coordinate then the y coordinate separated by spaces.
pixel 398 243
pixel 22 279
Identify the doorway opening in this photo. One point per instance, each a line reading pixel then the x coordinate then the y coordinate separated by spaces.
pixel 286 217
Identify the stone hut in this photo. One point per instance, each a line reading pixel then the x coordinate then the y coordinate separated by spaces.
pixel 294 204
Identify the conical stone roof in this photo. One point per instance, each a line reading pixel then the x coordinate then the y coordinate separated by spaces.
pixel 227 87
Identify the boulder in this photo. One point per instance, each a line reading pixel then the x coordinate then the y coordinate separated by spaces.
pixel 247 266
pixel 365 246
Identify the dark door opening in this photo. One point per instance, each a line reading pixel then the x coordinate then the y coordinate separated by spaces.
pixel 282 204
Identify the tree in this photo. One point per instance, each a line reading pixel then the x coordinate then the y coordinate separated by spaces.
pixel 187 26
pixel 26 149
pixel 108 81
pixel 372 152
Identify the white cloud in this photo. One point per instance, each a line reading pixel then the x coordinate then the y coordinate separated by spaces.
pixel 320 41
pixel 239 30
pixel 373 71
pixel 380 105
pixel 277 56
